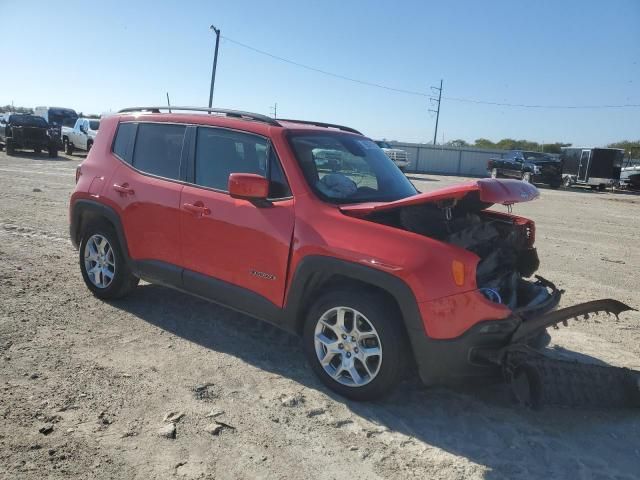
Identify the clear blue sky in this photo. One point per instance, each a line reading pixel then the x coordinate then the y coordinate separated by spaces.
pixel 95 56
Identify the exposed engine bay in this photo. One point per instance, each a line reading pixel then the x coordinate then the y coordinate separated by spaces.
pixel 503 242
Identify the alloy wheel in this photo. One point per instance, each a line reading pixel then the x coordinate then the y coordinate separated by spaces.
pixel 348 346
pixel 99 261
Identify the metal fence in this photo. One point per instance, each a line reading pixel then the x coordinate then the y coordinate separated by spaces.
pixel 465 161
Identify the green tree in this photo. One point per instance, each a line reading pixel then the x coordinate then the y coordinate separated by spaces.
pixel 629 147
pixel 484 143
pixel 457 143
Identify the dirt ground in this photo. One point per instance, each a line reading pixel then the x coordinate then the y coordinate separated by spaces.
pixel 86 385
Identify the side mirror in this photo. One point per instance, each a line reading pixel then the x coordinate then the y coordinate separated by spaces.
pixel 248 186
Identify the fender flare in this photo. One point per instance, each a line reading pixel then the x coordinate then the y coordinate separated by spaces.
pixel 80 209
pixel 312 271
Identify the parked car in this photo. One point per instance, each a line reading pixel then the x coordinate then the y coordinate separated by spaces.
pixel 400 157
pixel 595 167
pixel 60 119
pixel 82 136
pixel 530 167
pixel 373 275
pixel 22 131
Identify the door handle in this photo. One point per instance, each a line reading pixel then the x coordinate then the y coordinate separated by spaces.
pixel 124 189
pixel 197 208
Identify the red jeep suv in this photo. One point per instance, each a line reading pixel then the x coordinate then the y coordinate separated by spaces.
pixel 311 227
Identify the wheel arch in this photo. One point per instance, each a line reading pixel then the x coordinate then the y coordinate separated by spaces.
pixel 314 274
pixel 86 211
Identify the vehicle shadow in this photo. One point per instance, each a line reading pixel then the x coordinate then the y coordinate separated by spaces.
pixel 37 156
pixel 480 424
pixel 413 176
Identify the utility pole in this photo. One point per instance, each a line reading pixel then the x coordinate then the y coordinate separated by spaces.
pixel 274 110
pixel 437 112
pixel 215 63
pixel 168 102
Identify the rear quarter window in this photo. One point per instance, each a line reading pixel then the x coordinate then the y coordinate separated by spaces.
pixel 123 143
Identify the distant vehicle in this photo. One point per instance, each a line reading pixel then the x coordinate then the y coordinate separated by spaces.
pixel 82 135
pixel 60 119
pixel 630 177
pixel 530 167
pixel 400 157
pixel 595 167
pixel 22 131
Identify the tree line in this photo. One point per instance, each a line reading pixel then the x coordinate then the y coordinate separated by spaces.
pixel 556 147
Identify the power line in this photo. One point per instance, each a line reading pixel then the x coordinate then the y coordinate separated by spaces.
pixel 422 94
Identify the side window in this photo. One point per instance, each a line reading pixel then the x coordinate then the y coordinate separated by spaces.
pixel 123 143
pixel 158 149
pixel 220 153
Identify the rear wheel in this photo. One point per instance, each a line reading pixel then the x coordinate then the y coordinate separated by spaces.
pixel 37 150
pixel 355 343
pixel 526 177
pixel 102 263
pixel 567 181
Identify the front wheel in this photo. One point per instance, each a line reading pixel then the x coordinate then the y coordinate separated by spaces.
pixel 69 148
pixel 104 268
pixel 355 343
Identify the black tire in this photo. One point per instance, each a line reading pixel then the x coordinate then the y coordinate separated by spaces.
pixel 68 148
pixel 123 281
pixel 53 152
pixel 386 320
pixel 37 150
pixel 527 177
pixel 89 145
pixel 567 181
pixel 11 150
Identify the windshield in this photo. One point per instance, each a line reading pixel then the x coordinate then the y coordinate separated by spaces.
pixel 28 121
pixel 66 118
pixel 342 168
pixel 94 124
pixel 382 144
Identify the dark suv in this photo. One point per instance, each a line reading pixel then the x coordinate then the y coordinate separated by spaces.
pixel 22 131
pixel 311 227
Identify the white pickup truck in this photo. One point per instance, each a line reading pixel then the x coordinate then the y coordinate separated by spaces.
pixel 399 157
pixel 81 136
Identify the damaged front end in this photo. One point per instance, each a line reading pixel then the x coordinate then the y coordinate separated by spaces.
pixel 507 261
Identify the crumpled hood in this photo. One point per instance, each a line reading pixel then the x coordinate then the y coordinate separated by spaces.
pixel 486 191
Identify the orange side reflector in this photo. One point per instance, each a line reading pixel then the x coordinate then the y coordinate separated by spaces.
pixel 457 268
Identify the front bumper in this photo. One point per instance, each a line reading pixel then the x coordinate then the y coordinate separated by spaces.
pixel 455 361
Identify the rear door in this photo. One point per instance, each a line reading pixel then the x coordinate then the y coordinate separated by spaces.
pixel 233 242
pixel 146 187
pixel 583 166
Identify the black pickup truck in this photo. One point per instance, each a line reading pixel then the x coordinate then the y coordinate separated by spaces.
pixel 531 167
pixel 21 131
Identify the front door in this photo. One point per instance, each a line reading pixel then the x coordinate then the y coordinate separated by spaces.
pixel 583 166
pixel 232 242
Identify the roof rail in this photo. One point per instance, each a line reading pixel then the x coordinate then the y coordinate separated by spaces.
pixel 322 124
pixel 229 113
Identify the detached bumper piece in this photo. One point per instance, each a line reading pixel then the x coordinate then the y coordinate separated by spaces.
pixel 539 379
